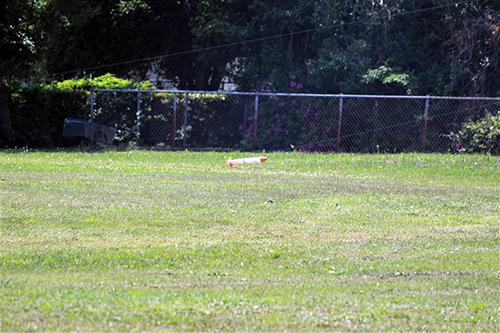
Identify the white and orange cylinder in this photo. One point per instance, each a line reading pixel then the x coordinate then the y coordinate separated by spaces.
pixel 246 160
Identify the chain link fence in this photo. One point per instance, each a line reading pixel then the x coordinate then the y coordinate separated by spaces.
pixel 303 122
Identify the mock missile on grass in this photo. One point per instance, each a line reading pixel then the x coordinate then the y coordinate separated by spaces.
pixel 230 162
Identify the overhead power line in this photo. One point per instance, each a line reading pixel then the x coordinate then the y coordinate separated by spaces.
pixel 210 48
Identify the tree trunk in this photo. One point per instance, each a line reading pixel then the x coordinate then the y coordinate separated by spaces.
pixel 5 125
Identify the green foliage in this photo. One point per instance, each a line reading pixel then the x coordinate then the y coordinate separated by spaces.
pixel 339 46
pixel 382 47
pixel 268 64
pixel 354 37
pixel 106 81
pixel 38 111
pixel 17 35
pixel 214 120
pixel 83 34
pixel 386 75
pixel 482 136
pixel 292 123
pixel 474 50
pixel 38 114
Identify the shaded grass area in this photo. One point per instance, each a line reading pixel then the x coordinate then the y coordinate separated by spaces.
pixel 150 241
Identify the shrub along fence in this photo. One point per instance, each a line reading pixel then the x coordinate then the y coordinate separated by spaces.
pixel 303 122
pixel 37 114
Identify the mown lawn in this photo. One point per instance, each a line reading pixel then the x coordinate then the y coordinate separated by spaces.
pixel 158 241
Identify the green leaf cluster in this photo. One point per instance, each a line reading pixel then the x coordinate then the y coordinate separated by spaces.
pixel 482 136
pixel 106 81
pixel 387 76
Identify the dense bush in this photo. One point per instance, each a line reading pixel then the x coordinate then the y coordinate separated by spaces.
pixel 212 119
pixel 38 111
pixel 482 136
pixel 38 114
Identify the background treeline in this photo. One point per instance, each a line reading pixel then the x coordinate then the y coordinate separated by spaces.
pixel 414 47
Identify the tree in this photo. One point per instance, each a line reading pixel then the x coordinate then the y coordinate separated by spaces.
pixel 101 36
pixel 420 41
pixel 17 53
pixel 202 64
pixel 474 49
pixel 279 52
pixel 331 46
pixel 132 38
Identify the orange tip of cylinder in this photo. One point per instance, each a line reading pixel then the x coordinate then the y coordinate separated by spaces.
pixel 263 159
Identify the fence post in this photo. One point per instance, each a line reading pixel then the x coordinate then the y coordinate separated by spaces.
pixel 91 116
pixel 138 118
pixel 174 116
pixel 246 115
pixel 255 122
pixel 339 123
pixel 426 113
pixel 185 120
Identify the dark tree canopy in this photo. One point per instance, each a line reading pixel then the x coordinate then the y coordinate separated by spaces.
pixel 330 46
pixel 17 53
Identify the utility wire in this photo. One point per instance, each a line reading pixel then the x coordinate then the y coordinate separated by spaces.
pixel 209 48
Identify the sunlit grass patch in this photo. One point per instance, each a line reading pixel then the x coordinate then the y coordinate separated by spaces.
pixel 138 240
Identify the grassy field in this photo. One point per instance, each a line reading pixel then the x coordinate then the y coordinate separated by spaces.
pixel 159 241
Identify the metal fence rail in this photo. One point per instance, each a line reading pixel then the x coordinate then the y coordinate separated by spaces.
pixel 305 122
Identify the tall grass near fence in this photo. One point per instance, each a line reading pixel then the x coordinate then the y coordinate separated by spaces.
pixel 136 240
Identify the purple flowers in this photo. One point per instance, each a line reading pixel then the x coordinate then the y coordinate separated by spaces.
pixel 294 84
